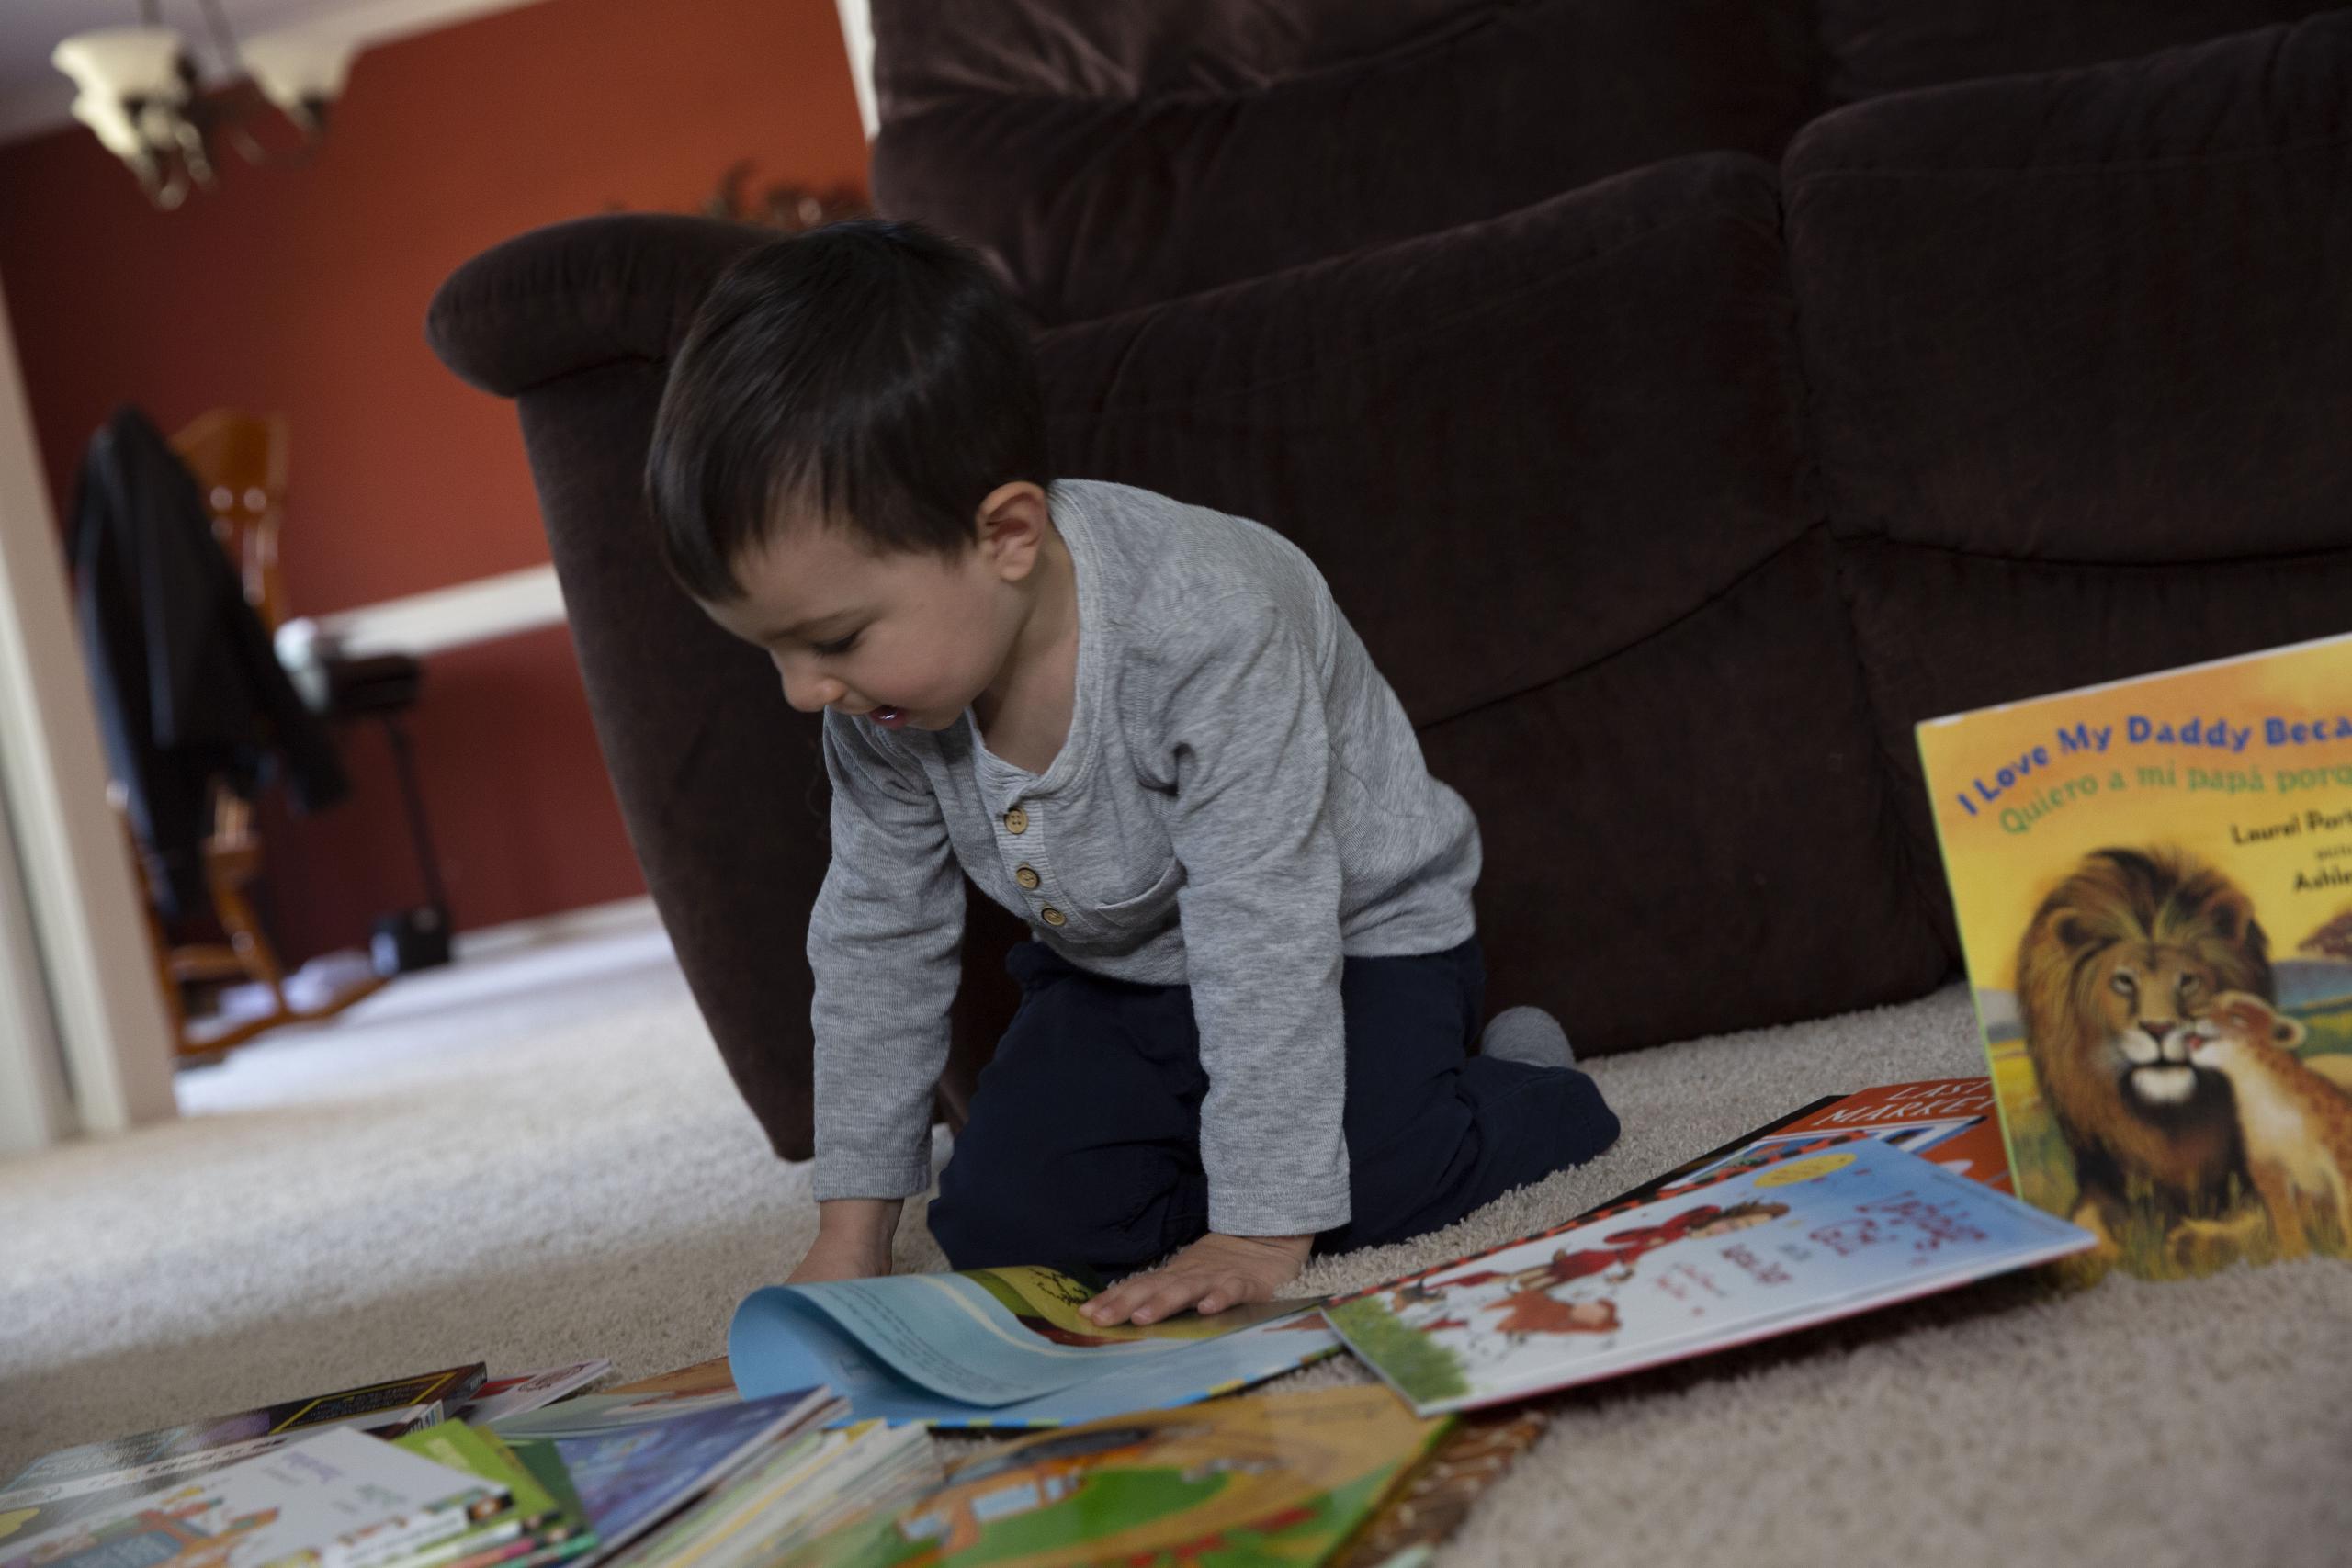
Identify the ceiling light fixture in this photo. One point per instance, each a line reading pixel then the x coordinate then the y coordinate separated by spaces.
pixel 139 93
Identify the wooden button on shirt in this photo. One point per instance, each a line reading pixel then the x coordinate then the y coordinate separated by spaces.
pixel 1052 916
pixel 1026 877
pixel 1016 821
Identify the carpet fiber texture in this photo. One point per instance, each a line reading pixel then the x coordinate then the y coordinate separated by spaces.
pixel 555 1166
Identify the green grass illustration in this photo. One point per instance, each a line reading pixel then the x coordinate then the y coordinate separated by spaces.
pixel 1425 1369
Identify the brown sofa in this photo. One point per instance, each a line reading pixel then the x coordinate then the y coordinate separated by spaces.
pixel 1670 485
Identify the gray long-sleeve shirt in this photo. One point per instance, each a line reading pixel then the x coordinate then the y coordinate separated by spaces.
pixel 1239 803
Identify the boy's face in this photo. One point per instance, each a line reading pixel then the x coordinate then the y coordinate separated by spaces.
pixel 908 639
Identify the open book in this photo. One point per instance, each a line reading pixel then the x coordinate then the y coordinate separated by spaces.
pixel 1003 1348
pixel 1803 1233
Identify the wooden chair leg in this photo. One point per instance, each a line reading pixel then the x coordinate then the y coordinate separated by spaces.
pixel 251 944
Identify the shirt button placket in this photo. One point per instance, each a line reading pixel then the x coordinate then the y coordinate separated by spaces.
pixel 1016 822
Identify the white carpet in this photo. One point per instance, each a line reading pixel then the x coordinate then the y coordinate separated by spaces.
pixel 540 1159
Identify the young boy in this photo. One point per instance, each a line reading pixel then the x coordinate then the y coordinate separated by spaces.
pixel 1145 728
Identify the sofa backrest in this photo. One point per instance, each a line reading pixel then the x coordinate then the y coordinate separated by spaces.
pixel 1874 46
pixel 1113 156
pixel 2078 350
pixel 1123 154
pixel 1552 469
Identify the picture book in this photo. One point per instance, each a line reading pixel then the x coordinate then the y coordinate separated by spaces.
pixel 1260 1480
pixel 795 1492
pixel 76 1482
pixel 1003 1348
pixel 540 1524
pixel 338 1499
pixel 1803 1235
pixel 619 1409
pixel 369 1406
pixel 1429 1503
pixel 527 1390
pixel 2152 884
pixel 633 1478
pixel 703 1377
pixel 1952 1122
pixel 612 1411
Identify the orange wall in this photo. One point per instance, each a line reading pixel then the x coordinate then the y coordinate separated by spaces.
pixel 304 289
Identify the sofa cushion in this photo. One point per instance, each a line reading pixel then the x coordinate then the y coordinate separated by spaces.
pixel 2079 348
pixel 1698 830
pixel 1097 200
pixel 2095 316
pixel 926 53
pixel 1514 449
pixel 1551 467
pixel 1894 46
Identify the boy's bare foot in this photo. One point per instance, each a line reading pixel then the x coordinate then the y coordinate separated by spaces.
pixel 1214 1273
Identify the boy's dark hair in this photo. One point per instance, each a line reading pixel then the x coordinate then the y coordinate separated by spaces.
pixel 872 374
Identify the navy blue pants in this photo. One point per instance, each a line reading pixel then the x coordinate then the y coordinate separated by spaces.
pixel 1083 1145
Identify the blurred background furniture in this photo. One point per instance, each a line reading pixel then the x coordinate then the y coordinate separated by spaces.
pixel 195 712
pixel 1683 398
pixel 240 460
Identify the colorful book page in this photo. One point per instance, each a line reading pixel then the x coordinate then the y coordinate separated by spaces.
pixel 1812 1234
pixel 1003 1348
pixel 630 1481
pixel 342 1497
pixel 1244 1482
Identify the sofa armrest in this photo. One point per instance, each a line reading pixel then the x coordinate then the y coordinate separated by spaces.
pixel 577 296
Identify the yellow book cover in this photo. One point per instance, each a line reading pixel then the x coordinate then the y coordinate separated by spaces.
pixel 2153 882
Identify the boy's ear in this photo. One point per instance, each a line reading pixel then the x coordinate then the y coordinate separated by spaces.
pixel 1011 526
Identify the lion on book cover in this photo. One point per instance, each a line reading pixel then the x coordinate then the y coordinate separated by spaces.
pixel 2115 963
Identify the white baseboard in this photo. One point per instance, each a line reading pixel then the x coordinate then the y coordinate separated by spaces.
pixel 622 917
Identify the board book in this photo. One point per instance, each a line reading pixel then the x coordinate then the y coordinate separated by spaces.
pixel 1805 1234
pixel 1003 1348
pixel 2152 884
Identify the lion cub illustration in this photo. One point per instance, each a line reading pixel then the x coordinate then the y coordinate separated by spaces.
pixel 2296 1126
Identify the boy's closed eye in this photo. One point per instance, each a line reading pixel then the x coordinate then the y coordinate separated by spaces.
pixel 836 647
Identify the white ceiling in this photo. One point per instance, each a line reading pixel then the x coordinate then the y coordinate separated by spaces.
pixel 34 95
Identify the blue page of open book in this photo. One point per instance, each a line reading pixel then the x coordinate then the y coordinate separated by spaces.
pixel 945 1350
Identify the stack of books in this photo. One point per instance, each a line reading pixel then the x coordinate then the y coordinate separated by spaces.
pixel 810 1445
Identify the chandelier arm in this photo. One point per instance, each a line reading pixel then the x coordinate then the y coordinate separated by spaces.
pixel 224 42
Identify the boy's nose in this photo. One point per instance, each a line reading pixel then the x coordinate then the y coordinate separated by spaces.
pixel 808 692
pixel 812 695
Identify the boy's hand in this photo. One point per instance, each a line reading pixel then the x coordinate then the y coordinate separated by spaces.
pixel 1214 1273
pixel 852 1241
